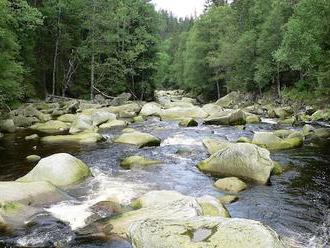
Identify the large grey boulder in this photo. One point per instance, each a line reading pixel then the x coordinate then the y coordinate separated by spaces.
pixel 229 117
pixel 212 109
pixel 203 232
pixel 60 169
pixel 80 138
pixel 101 116
pixel 127 108
pixel 138 138
pixel 178 113
pixel 229 100
pixel 7 126
pixel 214 145
pixel 51 126
pixel 69 118
pixel 82 123
pixel 150 108
pixel 166 205
pixel 283 112
pixel 24 121
pixel 246 161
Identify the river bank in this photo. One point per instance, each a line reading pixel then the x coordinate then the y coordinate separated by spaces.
pixel 299 192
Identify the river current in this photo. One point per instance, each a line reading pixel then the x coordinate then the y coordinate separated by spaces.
pixel 296 204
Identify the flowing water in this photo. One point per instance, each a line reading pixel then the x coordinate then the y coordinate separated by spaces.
pixel 296 204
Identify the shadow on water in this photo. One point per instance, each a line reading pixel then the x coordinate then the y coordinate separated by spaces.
pixel 296 205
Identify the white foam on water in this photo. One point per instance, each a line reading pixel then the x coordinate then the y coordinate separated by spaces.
pixel 180 139
pixel 109 188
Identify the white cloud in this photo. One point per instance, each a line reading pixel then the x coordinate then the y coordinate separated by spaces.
pixel 181 8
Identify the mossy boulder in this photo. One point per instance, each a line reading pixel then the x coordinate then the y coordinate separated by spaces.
pixel 69 118
pixel 322 133
pixel 211 207
pixel 178 113
pixel 60 169
pixel 288 121
pixel 231 117
pixel 150 108
pixel 203 232
pixel 113 124
pixel 138 138
pixel 214 145
pixel 7 126
pixel 132 161
pixel 321 115
pixel 253 119
pixel 231 184
pixel 188 122
pixel 278 169
pixel 80 138
pixel 308 129
pixel 270 141
pixel 246 161
pixel 51 126
pixel 25 121
pixel 283 112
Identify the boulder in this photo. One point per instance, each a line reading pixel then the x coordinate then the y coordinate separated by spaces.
pixel 211 207
pixel 113 124
pixel 308 129
pixel 69 118
pixel 322 133
pixel 80 138
pixel 228 199
pixel 288 121
pixel 214 145
pixel 228 100
pixel 60 169
pixel 82 122
pixel 101 116
pixel 246 161
pixel 51 126
pixel 321 115
pixel 7 126
pixel 212 109
pixel 203 232
pixel 252 119
pixel 243 140
pixel 121 99
pixel 162 205
pixel 31 111
pixel 283 133
pixel 178 104
pixel 139 139
pixel 88 105
pixel 33 158
pixel 150 108
pixel 32 137
pixel 283 112
pixel 24 121
pixel 231 117
pixel 131 161
pixel 271 141
pixel 188 122
pixel 178 113
pixel 128 108
pixel 138 119
pixel 231 184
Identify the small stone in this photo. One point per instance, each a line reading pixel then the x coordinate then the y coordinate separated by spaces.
pixel 32 137
pixel 188 123
pixel 227 199
pixel 33 158
pixel 231 184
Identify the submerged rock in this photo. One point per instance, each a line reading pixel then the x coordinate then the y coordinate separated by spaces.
pixel 188 123
pixel 7 126
pixel 241 160
pixel 271 141
pixel 33 158
pixel 131 161
pixel 80 138
pixel 203 232
pixel 60 169
pixel 139 139
pixel 231 184
pixel 51 126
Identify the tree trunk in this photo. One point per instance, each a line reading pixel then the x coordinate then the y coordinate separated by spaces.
pixel 278 81
pixel 56 51
pixel 218 89
pixel 93 54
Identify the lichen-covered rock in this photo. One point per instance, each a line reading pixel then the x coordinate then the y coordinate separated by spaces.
pixel 271 141
pixel 69 118
pixel 7 126
pixel 188 122
pixel 229 117
pixel 150 108
pixel 211 207
pixel 113 124
pixel 60 169
pixel 138 138
pixel 214 145
pixel 131 161
pixel 82 123
pixel 203 232
pixel 80 138
pixel 231 184
pixel 51 126
pixel 228 100
pixel 178 113
pixel 241 160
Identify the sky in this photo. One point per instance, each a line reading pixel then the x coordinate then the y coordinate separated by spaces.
pixel 181 8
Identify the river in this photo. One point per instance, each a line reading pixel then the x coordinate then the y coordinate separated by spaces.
pixel 296 204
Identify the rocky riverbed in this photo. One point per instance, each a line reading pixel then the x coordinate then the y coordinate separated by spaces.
pixel 170 172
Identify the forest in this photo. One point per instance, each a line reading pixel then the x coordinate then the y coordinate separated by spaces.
pixel 77 48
